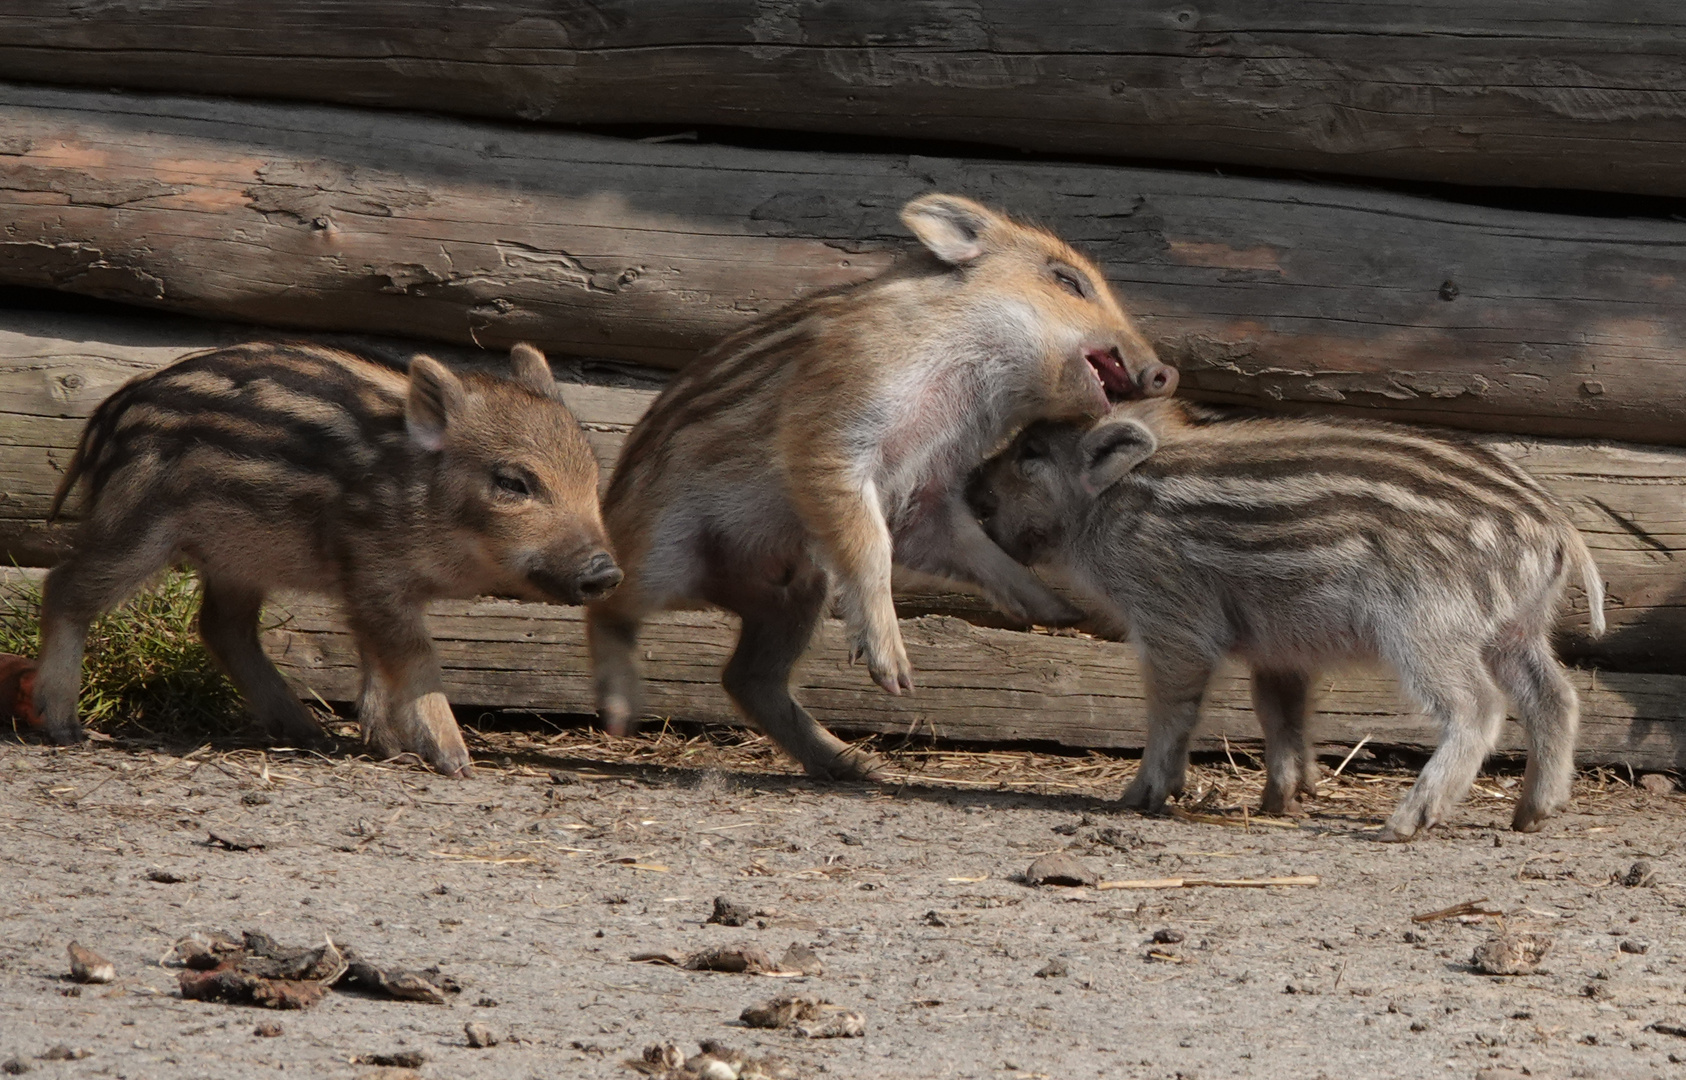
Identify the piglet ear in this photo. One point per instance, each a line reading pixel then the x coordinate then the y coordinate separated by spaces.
pixel 436 396
pixel 1111 449
pixel 532 370
pixel 956 230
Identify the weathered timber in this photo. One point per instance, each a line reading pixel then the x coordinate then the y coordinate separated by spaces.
pixel 977 684
pixel 55 368
pixel 1280 294
pixel 1527 92
pixel 1629 501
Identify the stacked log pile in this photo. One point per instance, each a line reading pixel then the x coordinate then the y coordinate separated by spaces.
pixel 1556 336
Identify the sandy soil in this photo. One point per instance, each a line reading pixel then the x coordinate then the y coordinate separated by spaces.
pixel 536 894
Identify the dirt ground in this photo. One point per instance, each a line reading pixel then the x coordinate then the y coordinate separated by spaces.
pixel 535 895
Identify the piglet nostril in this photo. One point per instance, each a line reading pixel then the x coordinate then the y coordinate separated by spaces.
pixel 1159 380
pixel 599 577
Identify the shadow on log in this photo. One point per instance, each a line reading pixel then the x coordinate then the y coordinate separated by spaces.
pixel 1278 294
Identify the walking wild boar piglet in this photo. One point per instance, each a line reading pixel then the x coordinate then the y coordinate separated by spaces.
pixel 1298 544
pixel 831 438
pixel 296 466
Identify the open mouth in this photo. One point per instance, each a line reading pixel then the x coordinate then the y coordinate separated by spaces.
pixel 1115 379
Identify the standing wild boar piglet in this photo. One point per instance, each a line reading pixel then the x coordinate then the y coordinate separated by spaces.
pixel 833 437
pixel 1297 544
pixel 302 467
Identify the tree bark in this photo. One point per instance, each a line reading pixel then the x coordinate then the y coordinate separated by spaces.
pixel 1629 501
pixel 1279 294
pixel 1527 93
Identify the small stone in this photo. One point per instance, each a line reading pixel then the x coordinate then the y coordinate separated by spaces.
pixel 560 778
pixel 486 1003
pixel 15 1067
pixel 1168 936
pixel 1657 783
pixel 268 1030
pixel 1639 874
pixel 479 1035
pixel 403 1059
pixel 255 798
pixel 88 966
pixel 727 913
pixel 1637 948
pixel 165 877
pixel 1114 837
pixel 1054 969
pixel 850 839
pixel 1059 868
pixel 1511 953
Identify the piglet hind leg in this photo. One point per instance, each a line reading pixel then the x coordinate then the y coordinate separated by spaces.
pixel 1176 683
pixel 228 621
pixel 775 635
pixel 417 718
pixel 1468 708
pixel 1281 699
pixel 1549 709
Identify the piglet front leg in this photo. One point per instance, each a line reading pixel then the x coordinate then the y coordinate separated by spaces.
pixel 944 538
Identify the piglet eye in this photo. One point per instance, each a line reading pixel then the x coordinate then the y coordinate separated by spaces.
pixel 1069 283
pixel 511 484
pixel 1033 450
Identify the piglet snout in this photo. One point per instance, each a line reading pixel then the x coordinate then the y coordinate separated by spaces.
pixel 1158 380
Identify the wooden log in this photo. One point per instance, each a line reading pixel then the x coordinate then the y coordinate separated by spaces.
pixel 1527 93
pixel 976 684
pixel 1281 294
pixel 1629 501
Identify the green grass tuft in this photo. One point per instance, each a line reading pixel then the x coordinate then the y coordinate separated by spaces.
pixel 145 666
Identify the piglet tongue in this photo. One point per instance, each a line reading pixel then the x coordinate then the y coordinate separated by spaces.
pixel 1115 380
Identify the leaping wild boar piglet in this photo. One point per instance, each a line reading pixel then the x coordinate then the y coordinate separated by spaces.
pixel 831 438
pixel 296 466
pixel 1298 544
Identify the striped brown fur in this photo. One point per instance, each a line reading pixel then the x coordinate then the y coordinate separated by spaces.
pixel 806 453
pixel 1297 544
pixel 266 466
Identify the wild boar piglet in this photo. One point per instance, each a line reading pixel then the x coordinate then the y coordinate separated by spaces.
pixel 824 442
pixel 295 466
pixel 1295 545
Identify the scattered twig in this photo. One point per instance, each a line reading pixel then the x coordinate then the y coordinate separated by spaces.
pixel 1468 907
pixel 1350 754
pixel 1214 883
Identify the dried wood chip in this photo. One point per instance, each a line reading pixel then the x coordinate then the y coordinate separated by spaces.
pixel 232 842
pixel 737 959
pixel 393 982
pixel 88 966
pixel 403 1059
pixel 813 1017
pixel 801 958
